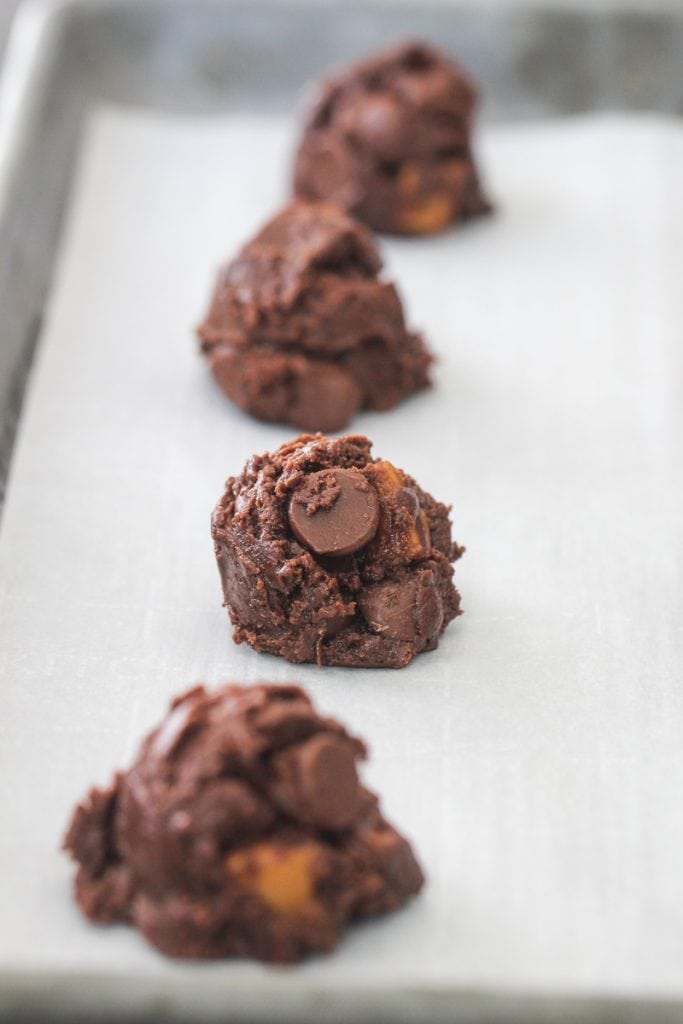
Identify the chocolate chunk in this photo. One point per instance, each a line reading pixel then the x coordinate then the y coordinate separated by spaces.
pixel 404 610
pixel 313 394
pixel 407 498
pixel 329 556
pixel 334 512
pixel 375 121
pixel 302 330
pixel 389 140
pixel 241 829
pixel 319 782
pixel 324 396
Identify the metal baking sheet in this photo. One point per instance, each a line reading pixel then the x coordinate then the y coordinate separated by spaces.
pixel 535 758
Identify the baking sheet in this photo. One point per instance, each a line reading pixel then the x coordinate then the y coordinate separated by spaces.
pixel 536 758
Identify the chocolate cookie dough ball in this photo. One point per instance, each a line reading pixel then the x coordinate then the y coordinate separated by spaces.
pixel 389 140
pixel 242 829
pixel 327 555
pixel 302 330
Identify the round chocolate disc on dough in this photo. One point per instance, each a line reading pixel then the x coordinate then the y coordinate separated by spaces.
pixel 334 512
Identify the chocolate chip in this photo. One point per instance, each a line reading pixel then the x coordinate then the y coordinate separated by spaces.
pixel 376 119
pixel 405 609
pixel 323 396
pixel 319 782
pixel 229 811
pixel 334 512
pixel 407 498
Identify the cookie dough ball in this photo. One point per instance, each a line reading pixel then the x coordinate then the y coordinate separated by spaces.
pixel 242 829
pixel 389 140
pixel 301 329
pixel 327 555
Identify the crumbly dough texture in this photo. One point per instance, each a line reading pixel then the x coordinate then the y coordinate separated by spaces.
pixel 388 597
pixel 302 330
pixel 241 829
pixel 389 140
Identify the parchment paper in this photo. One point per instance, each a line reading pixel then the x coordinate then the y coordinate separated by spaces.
pixel 536 758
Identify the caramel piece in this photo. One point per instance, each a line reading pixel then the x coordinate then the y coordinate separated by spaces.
pixel 380 839
pixel 428 216
pixel 282 876
pixel 409 179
